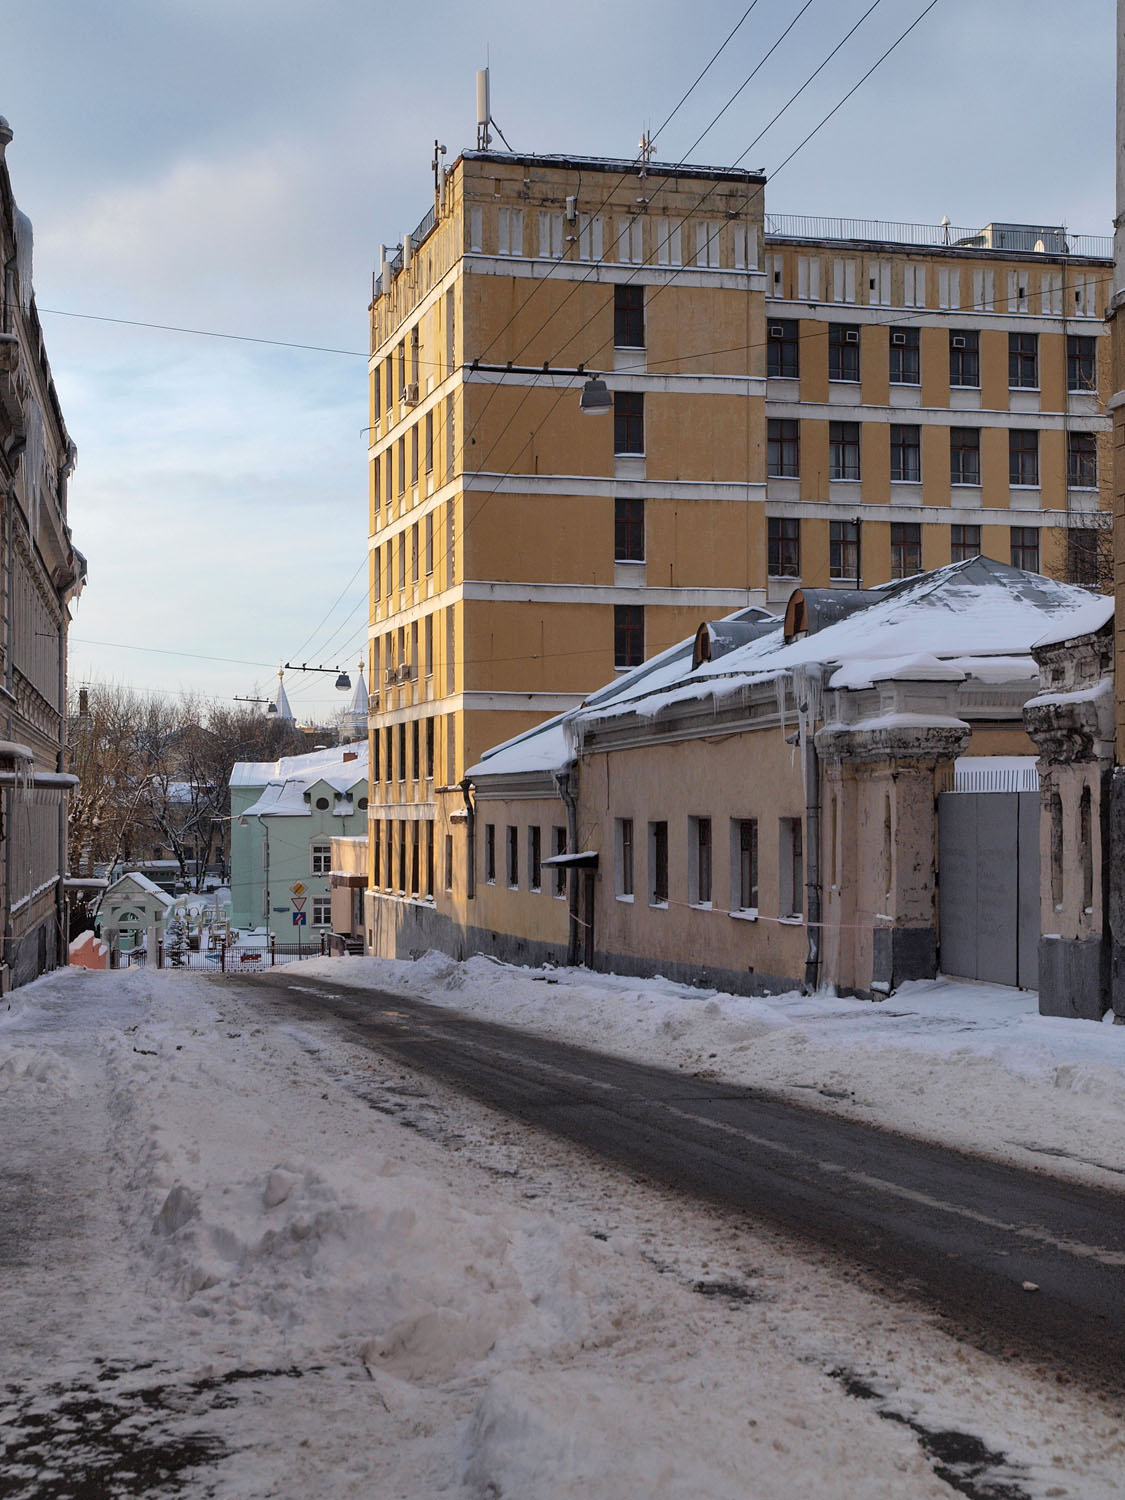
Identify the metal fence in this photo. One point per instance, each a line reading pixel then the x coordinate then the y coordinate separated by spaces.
pixel 239 957
pixel 1059 242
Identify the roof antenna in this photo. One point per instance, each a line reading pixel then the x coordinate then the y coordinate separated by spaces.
pixel 484 113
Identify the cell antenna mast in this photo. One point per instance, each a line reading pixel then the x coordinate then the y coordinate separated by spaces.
pixel 484 113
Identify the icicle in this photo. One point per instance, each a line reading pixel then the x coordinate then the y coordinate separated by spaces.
pixel 24 243
pixel 779 689
pixel 34 464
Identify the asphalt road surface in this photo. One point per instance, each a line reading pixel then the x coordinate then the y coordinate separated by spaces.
pixel 1024 1263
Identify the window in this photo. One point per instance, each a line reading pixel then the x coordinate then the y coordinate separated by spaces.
pixel 964 455
pixel 490 853
pixel 791 888
pixel 783 349
pixel 414 553
pixel 906 549
pixel 744 864
pixel 401 465
pixel 784 559
pixel 415 861
pixel 905 357
pixel 964 542
pixel 560 870
pixel 535 857
pixel 843 352
pixel 1025 548
pixel 629 316
pixel 1023 456
pixel 628 635
pixel 429 544
pixel 623 860
pixel 1084 556
pixel 1023 361
pixel 402 752
pixel 629 530
pixel 1082 461
pixel 322 911
pixel 964 357
pixel 449 861
pixel 429 442
pixel 1081 362
pixel 513 857
pixel 699 868
pixel 628 422
pixel 843 450
pixel 906 454
pixel 783 452
pixel 429 749
pixel 415 758
pixel 428 637
pixel 843 551
pixel 321 853
pixel 658 864
pixel 414 454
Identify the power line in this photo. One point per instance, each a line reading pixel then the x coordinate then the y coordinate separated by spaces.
pixel 205 333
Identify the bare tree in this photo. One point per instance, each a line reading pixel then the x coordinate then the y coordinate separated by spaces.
pixel 1089 553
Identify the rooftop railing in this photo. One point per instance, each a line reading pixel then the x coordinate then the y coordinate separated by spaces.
pixel 1054 241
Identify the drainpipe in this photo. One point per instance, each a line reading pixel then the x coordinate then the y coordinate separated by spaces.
pixel 471 849
pixel 812 856
pixel 65 471
pixel 566 792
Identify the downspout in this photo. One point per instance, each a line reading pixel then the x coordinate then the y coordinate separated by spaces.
pixel 65 471
pixel 812 845
pixel 471 849
pixel 566 792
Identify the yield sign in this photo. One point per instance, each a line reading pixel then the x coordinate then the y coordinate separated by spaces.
pixel 299 902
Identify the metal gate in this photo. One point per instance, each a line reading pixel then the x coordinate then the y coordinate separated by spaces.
pixel 988 851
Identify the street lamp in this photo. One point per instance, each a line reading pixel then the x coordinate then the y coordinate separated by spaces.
pixel 595 400
pixel 343 681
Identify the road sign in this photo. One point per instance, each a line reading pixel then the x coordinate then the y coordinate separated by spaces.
pixel 298 889
pixel 299 919
pixel 299 902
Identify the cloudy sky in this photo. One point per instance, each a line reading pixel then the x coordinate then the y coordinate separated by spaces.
pixel 231 166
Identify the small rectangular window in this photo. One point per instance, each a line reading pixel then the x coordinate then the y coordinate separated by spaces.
pixel 321 858
pixel 628 635
pixel 560 870
pixel 629 315
pixel 744 864
pixel 628 530
pixel 843 551
pixel 905 365
pixel 964 542
pixel 843 450
pixel 783 360
pixel 1082 461
pixel 490 853
pixel 535 857
pixel 784 547
pixel 699 868
pixel 322 911
pixel 628 422
pixel 964 455
pixel 1023 456
pixel 1023 361
pixel 791 891
pixel 964 357
pixel 843 351
pixel 1025 548
pixel 906 454
pixel 1081 362
pixel 513 857
pixel 623 858
pixel 906 549
pixel 783 449
pixel 658 864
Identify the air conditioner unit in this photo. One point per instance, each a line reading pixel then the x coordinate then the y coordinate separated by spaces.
pixel 899 339
pixel 410 394
pixel 776 331
pixel 391 674
pixel 851 335
pixel 958 341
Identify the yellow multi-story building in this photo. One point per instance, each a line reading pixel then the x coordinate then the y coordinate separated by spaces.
pixel 788 400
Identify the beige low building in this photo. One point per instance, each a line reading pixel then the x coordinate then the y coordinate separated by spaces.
pixel 842 796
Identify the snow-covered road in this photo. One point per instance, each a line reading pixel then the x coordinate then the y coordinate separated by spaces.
pixel 242 1260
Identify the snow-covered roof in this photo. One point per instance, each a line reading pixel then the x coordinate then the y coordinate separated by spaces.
pixel 975 618
pixel 149 887
pixel 1097 611
pixel 284 782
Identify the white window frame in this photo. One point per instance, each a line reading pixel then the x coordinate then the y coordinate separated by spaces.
pixel 321 911
pixel 320 857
